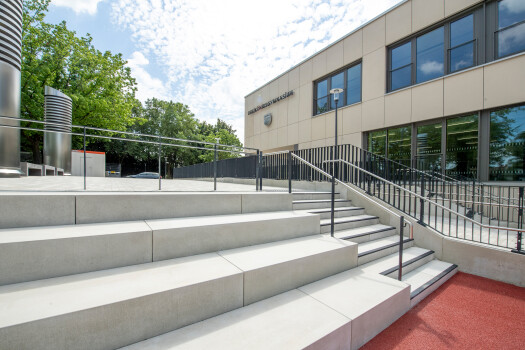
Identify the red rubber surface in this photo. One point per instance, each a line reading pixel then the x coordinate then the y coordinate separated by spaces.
pixel 466 312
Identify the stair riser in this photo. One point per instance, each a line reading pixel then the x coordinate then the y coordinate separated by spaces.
pixel 372 236
pixel 413 266
pixel 429 290
pixel 306 196
pixel 301 206
pixel 349 225
pixel 381 253
pixel 343 214
pixel 123 323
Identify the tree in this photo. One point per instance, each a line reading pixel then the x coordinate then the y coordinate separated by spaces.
pixel 99 84
pixel 226 138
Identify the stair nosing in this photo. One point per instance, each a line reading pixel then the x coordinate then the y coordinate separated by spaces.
pixel 375 250
pixel 406 263
pixel 435 279
pixel 368 233
pixel 350 219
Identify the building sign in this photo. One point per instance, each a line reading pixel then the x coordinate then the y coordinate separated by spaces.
pixel 268 119
pixel 275 100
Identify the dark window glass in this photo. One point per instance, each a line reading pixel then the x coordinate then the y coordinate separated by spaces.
pixel 322 88
pixel 337 81
pixel 430 52
pixel 428 147
pixel 462 147
pixel 401 66
pixel 462 43
pixel 353 85
pixel 511 27
pixel 377 142
pixel 507 144
pixel 399 141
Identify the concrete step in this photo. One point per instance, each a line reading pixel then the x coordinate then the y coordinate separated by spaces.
pixel 427 278
pixel 366 233
pixel 343 311
pixel 350 222
pixel 314 195
pixel 319 203
pixel 325 213
pixel 277 267
pixel 381 247
pixel 413 258
pixel 114 308
pixel 173 238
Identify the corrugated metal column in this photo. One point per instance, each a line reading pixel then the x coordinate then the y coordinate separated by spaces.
pixel 58 110
pixel 10 64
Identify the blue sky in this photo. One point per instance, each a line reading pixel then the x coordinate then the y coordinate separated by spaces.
pixel 209 54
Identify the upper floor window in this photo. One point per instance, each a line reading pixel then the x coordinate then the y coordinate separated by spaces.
pixel 430 55
pixel 461 51
pixel 348 79
pixel 510 34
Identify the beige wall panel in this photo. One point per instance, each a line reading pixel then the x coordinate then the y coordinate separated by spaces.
pixel 265 140
pixel 353 47
pixel 399 23
pixel 293 134
pixel 248 126
pixel 293 79
pixel 255 141
pixel 334 57
pixel 330 124
pixel 282 114
pixel 505 82
pixel 282 137
pixel 273 139
pixel 305 131
pixel 374 74
pixel 463 92
pixel 274 90
pixel 426 12
pixel 373 114
pixel 352 139
pixel 319 65
pixel 282 82
pixel 351 119
pixel 292 103
pixel 305 75
pixel 305 145
pixel 453 6
pixel 427 101
pixel 318 127
pixel 398 108
pixel 374 35
pixel 305 101
pixel 318 143
pixel 248 141
pixel 257 123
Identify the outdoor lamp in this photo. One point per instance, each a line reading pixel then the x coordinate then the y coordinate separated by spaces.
pixel 336 93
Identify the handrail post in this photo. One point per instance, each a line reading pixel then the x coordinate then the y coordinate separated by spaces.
pixel 333 204
pixel 257 171
pixel 85 162
pixel 422 203
pixel 520 220
pixel 401 239
pixel 289 161
pixel 160 177
pixel 260 170
pixel 215 167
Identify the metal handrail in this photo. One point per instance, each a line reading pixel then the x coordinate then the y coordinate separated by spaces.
pixel 426 199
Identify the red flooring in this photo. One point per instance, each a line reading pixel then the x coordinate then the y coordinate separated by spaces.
pixel 466 312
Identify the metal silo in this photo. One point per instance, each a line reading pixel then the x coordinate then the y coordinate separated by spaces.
pixel 10 65
pixel 58 109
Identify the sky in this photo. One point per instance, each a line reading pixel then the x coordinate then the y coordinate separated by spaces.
pixel 209 54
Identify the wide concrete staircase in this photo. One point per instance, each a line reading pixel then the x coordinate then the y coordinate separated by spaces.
pixel 210 271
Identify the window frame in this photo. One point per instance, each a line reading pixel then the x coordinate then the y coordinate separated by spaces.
pixel 495 30
pixel 343 98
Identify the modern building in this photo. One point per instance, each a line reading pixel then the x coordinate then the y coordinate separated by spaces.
pixel 436 84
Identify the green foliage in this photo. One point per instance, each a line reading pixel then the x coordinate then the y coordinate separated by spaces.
pixel 226 136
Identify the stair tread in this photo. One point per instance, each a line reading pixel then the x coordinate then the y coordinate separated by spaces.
pixel 327 210
pixel 359 231
pixel 423 274
pixel 318 201
pixel 29 301
pixel 354 218
pixel 377 243
pixel 392 260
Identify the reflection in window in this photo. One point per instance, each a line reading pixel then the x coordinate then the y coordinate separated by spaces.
pixel 430 62
pixel 322 97
pixel 428 147
pixel 511 27
pixel 399 142
pixel 401 66
pixel 353 85
pixel 507 144
pixel 461 54
pixel 337 81
pixel 377 142
pixel 462 147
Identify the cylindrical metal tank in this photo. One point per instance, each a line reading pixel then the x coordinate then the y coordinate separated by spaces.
pixel 58 109
pixel 10 63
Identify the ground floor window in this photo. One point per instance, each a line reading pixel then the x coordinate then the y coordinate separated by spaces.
pixel 462 147
pixel 428 147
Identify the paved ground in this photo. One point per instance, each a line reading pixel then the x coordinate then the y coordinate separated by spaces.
pixel 467 312
pixel 76 183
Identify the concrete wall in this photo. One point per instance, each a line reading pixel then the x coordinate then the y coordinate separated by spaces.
pixel 95 164
pixel 495 84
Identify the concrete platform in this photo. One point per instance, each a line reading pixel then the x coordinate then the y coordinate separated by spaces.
pixel 277 267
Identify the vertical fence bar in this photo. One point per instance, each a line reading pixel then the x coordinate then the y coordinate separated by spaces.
pixel 257 171
pixel 422 203
pixel 215 167
pixel 85 162
pixel 289 161
pixel 401 239
pixel 160 165
pixel 520 222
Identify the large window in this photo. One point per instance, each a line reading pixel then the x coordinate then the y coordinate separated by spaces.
pixel 348 79
pixel 461 52
pixel 462 147
pixel 430 55
pixel 392 143
pixel 401 66
pixel 510 36
pixel 507 144
pixel 428 147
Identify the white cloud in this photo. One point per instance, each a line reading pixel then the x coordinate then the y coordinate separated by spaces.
pixel 148 86
pixel 431 67
pixel 216 52
pixel 514 6
pixel 79 6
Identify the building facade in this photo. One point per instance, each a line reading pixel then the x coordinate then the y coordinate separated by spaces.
pixel 435 84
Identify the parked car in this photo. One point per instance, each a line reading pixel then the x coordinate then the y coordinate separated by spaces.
pixel 145 175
